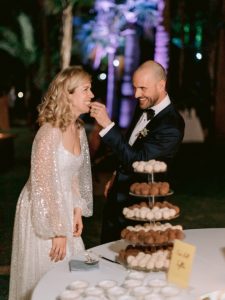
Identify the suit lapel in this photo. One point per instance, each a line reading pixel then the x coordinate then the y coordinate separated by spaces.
pixel 159 116
pixel 154 122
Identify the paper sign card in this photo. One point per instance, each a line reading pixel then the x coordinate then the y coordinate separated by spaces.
pixel 181 263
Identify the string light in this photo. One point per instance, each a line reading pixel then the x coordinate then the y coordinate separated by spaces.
pixel 20 95
pixel 198 55
pixel 102 76
pixel 116 63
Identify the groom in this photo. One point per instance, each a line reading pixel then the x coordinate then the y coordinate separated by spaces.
pixel 156 132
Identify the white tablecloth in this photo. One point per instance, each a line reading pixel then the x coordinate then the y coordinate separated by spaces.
pixel 208 272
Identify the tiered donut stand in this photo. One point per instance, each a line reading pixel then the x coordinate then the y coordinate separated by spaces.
pixel 150 243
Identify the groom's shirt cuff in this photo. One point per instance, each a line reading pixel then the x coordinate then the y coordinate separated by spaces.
pixel 105 130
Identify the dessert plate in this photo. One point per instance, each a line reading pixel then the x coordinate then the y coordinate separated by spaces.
pixel 147 196
pixel 90 260
pixel 216 295
pixel 140 269
pixel 152 220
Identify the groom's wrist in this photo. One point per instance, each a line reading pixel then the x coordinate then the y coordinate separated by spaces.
pixel 106 129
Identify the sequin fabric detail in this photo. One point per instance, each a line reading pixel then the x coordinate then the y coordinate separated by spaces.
pixel 59 181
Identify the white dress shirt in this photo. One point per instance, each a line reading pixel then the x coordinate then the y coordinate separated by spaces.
pixel 106 129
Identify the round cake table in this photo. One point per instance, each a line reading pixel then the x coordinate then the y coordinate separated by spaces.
pixel 208 273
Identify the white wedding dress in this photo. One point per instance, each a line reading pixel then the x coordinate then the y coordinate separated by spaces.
pixel 59 181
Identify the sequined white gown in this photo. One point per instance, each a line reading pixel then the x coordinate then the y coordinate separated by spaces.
pixel 59 181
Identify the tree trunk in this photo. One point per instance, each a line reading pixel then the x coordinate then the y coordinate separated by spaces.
pixel 66 44
pixel 182 53
pixel 162 35
pixel 111 84
pixel 131 62
pixel 220 79
pixel 104 21
pixel 45 40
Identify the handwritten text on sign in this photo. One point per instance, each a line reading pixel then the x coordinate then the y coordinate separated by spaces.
pixel 181 263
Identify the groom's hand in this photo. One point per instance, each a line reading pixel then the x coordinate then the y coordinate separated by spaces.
pixel 98 111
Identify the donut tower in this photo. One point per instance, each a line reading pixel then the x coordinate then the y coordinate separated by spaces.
pixel 151 242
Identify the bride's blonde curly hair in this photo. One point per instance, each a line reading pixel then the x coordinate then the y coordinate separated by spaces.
pixel 55 107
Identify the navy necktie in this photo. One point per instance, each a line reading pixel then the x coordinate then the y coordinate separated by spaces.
pixel 150 113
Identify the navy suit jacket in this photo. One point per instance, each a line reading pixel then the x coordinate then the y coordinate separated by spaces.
pixel 164 135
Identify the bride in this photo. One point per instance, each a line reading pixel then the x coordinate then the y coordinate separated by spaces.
pixel 48 220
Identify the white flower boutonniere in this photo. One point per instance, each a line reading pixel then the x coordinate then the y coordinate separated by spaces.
pixel 143 133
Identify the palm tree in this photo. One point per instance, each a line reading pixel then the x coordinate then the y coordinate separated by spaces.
pixel 65 8
pixel 105 21
pixel 100 38
pixel 141 13
pixel 66 44
pixel 114 26
pixel 21 45
pixel 162 36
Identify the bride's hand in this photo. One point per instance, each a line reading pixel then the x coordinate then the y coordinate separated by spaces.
pixel 77 222
pixel 58 250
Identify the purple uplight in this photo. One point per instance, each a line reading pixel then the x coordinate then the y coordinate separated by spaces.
pixel 105 5
pixel 127 109
pixel 161 39
pixel 111 83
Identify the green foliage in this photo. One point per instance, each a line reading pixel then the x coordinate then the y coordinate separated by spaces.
pixel 9 41
pixel 188 33
pixel 26 32
pixel 20 45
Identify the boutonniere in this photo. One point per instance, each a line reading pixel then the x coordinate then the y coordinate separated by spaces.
pixel 143 133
